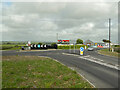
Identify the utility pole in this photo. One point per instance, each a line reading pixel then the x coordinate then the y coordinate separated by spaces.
pixel 74 47
pixel 109 32
pixel 69 47
pixel 57 37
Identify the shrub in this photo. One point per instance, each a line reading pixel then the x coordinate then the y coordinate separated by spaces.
pixel 117 49
pixel 6 47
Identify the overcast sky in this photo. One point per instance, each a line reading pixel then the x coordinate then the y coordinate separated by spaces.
pixel 41 21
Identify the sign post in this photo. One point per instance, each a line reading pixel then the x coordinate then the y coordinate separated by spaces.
pixel 74 47
pixel 81 50
pixel 29 45
pixel 70 47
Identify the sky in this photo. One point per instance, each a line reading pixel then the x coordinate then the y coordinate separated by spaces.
pixel 41 21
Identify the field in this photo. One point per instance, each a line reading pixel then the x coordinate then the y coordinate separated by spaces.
pixel 109 53
pixel 10 47
pixel 38 72
pixel 13 45
pixel 18 46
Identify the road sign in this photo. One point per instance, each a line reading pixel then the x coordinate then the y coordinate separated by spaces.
pixel 41 45
pixel 35 46
pixel 95 44
pixel 63 41
pixel 81 52
pixel 45 46
pixel 38 46
pixel 60 41
pixel 31 45
pixel 81 49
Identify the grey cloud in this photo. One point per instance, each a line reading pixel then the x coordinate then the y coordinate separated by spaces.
pixel 26 21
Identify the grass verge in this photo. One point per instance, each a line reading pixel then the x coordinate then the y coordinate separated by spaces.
pixel 109 53
pixel 10 47
pixel 38 72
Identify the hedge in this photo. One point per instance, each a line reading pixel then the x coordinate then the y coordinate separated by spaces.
pixel 117 49
pixel 72 46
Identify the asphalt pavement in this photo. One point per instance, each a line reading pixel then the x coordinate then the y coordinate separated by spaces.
pixel 94 67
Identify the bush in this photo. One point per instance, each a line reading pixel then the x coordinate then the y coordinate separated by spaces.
pixel 53 44
pixel 16 45
pixel 116 45
pixel 117 49
pixel 6 47
pixel 40 43
pixel 79 41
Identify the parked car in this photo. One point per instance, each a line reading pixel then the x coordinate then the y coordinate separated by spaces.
pixel 90 48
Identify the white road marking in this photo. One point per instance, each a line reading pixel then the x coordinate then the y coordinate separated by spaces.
pixel 87 56
pixel 70 54
pixel 87 80
pixel 101 63
pixel 96 60
pixel 83 77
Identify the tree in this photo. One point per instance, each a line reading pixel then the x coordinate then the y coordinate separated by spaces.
pixel 40 43
pixel 8 43
pixel 79 41
pixel 53 44
pixel 106 41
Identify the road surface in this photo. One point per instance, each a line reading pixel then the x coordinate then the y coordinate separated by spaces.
pixel 92 65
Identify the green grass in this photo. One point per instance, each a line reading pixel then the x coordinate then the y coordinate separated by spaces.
pixel 10 47
pixel 0 72
pixel 18 47
pixel 38 72
pixel 109 53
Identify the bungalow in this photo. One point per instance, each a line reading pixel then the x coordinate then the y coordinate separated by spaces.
pixel 88 42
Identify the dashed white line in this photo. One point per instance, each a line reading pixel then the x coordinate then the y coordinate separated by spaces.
pixel 101 63
pixel 95 60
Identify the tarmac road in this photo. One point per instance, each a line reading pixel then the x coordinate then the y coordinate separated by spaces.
pixel 101 76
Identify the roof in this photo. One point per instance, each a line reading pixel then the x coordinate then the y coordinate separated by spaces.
pixel 88 41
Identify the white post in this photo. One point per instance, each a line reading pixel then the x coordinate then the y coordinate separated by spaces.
pixel 74 47
pixel 80 52
pixel 29 48
pixel 69 48
pixel 112 49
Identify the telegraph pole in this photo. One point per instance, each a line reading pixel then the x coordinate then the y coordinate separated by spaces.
pixel 57 37
pixel 109 32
